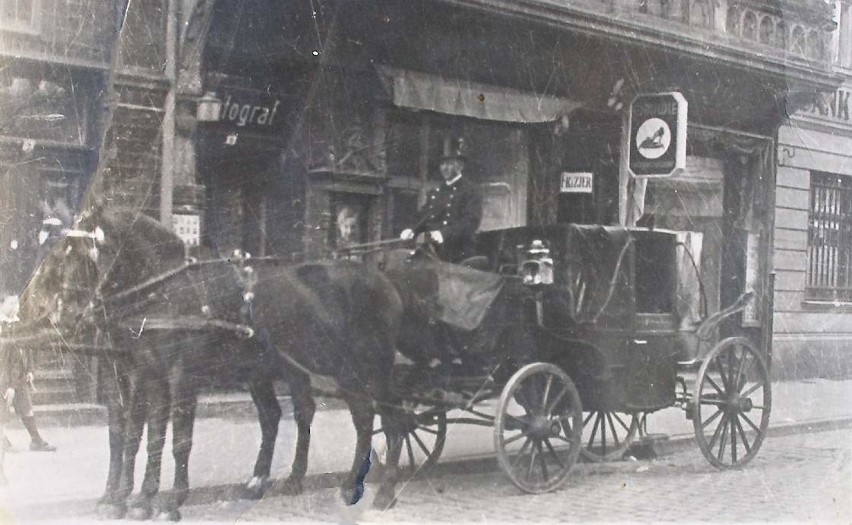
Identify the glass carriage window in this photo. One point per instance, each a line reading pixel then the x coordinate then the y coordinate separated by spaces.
pixel 830 238
pixel 19 14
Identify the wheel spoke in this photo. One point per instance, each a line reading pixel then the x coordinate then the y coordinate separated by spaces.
pixel 713 384
pixel 603 432
pixel 533 455
pixel 612 428
pixel 546 394
pixel 594 430
pixel 711 418
pixel 751 423
pixel 410 452
pixel 423 446
pixel 744 377
pixel 743 359
pixel 512 439
pixel 742 435
pixel 379 430
pixel 553 453
pixel 428 430
pixel 620 422
pixel 751 390
pixel 562 438
pixel 521 453
pixel 722 422
pixel 527 406
pixel 722 376
pixel 724 441
pixel 543 464
pixel 733 440
pixel 555 401
pixel 586 421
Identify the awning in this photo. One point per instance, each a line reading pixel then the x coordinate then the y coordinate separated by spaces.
pixel 415 90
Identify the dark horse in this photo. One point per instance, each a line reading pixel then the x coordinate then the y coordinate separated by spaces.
pixel 125 275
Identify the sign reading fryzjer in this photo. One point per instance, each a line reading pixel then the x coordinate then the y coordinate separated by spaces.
pixel 576 182
pixel 657 135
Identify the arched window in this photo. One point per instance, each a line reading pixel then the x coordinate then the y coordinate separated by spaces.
pixel 781 35
pixel 797 41
pixel 767 30
pixel 732 21
pixel 750 26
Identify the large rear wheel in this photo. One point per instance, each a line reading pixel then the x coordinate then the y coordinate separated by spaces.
pixel 538 427
pixel 731 403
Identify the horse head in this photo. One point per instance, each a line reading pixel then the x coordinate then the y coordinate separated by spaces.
pixel 66 285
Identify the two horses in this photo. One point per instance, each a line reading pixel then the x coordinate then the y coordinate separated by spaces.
pixel 125 275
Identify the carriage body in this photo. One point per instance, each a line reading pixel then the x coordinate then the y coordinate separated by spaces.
pixel 615 317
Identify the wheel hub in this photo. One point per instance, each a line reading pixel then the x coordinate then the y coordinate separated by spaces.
pixel 740 404
pixel 542 427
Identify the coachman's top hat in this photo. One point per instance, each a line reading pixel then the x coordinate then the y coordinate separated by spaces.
pixel 454 149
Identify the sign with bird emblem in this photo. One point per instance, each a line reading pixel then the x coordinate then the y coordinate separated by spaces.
pixel 657 135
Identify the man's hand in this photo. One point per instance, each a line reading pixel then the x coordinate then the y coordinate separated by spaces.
pixel 30 377
pixel 436 236
pixel 407 234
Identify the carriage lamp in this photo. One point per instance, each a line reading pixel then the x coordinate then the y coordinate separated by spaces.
pixel 537 268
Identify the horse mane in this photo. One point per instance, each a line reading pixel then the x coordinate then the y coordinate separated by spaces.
pixel 136 247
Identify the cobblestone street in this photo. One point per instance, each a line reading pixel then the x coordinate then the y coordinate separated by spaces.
pixel 805 477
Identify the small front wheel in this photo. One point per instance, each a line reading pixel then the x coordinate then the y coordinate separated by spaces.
pixel 537 432
pixel 731 403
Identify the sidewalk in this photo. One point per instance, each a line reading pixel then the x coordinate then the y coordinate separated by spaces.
pixel 52 485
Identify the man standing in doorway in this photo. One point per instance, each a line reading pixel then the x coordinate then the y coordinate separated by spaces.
pixel 453 210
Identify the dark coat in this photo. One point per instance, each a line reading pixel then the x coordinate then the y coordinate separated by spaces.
pixel 456 211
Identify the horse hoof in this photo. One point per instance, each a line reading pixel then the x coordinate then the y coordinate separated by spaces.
pixel 256 487
pixel 169 515
pixel 139 513
pixel 292 488
pixel 110 511
pixel 384 500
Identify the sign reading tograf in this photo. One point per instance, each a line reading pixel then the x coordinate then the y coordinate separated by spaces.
pixel 657 135
pixel 576 182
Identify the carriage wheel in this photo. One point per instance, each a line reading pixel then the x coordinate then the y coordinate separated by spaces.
pixel 611 434
pixel 425 435
pixel 538 427
pixel 731 403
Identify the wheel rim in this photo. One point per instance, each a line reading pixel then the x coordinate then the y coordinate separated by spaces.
pixel 731 403
pixel 538 427
pixel 609 435
pixel 423 441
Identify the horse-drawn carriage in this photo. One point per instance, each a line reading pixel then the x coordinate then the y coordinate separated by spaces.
pixel 592 328
pixel 552 322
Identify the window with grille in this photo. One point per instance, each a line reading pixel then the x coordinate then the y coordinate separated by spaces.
pixel 830 238
pixel 19 14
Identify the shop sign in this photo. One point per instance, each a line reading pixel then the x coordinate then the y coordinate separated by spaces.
pixel 576 182
pixel 249 110
pixel 657 135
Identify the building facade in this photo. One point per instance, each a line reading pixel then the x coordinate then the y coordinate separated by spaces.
pixel 813 232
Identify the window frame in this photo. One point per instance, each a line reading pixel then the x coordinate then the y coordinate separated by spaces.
pixel 829 242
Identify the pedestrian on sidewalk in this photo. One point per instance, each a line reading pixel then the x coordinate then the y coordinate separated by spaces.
pixel 16 381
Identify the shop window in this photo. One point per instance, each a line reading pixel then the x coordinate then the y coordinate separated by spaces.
pixel 830 238
pixel 21 15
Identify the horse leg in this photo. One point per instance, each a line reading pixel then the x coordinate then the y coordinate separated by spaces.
pixel 304 408
pixel 113 503
pixel 158 417
pixel 269 415
pixel 391 421
pixel 184 401
pixel 361 409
